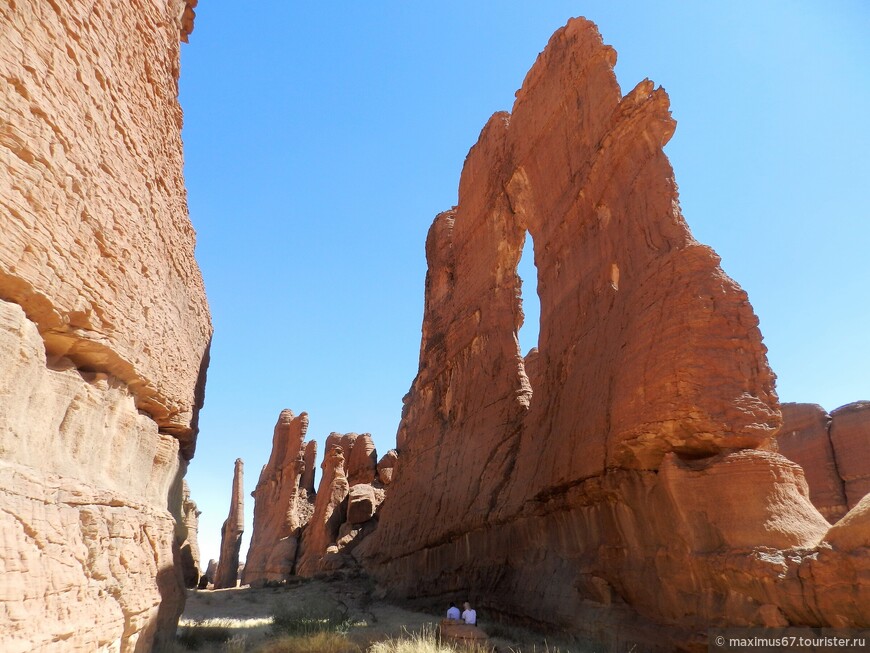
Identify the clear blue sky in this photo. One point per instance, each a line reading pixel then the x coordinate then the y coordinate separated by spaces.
pixel 322 138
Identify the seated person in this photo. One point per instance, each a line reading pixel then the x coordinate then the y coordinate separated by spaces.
pixel 469 615
pixel 453 612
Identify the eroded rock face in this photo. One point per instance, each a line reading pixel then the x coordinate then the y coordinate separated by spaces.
pixel 282 505
pixel 387 466
pixel 189 538
pixel 362 462
pixel 321 532
pixel 98 249
pixel 227 572
pixel 104 326
pixel 850 435
pixel 619 472
pixel 804 438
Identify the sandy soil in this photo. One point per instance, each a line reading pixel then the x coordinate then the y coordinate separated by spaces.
pixel 247 611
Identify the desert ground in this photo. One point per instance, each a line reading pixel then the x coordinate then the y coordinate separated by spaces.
pixel 240 620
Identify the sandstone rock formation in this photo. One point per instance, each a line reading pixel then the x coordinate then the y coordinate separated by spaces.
pixel 210 571
pixel 104 325
pixel 804 438
pixel 227 572
pixel 832 451
pixel 189 538
pixel 298 532
pixel 310 460
pixel 850 436
pixel 387 466
pixel 619 473
pixel 361 503
pixel 282 504
pixel 322 530
pixel 362 462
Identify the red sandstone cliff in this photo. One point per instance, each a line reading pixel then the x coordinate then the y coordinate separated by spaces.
pixel 832 451
pixel 104 325
pixel 620 472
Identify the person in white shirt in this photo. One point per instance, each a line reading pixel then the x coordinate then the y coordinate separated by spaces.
pixel 453 612
pixel 469 615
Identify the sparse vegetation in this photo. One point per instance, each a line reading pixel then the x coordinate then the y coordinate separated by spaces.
pixel 424 641
pixel 199 633
pixel 309 619
pixel 319 642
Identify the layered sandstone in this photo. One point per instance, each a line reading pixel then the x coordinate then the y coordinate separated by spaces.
pixel 329 513
pixel 620 472
pixel 227 572
pixel 282 503
pixel 850 436
pixel 104 325
pixel 805 438
pixel 831 449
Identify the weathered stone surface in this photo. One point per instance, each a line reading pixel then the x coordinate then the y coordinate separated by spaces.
pixel 97 247
pixel 322 530
pixel 227 573
pixel 850 435
pixel 361 503
pixel 804 438
pixel 620 471
pixel 387 466
pixel 853 531
pixel 189 537
pixel 363 461
pixel 211 570
pixel 310 460
pixel 86 540
pixel 282 505
pixel 97 271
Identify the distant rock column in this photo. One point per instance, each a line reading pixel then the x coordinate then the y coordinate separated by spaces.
pixel 190 544
pixel 282 502
pixel 322 530
pixel 227 573
pixel 210 571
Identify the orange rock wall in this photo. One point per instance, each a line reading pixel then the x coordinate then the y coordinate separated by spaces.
pixel 805 438
pixel 618 472
pixel 832 451
pixel 104 326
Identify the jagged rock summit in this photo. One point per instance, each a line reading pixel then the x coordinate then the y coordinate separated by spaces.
pixel 104 325
pixel 283 502
pixel 621 474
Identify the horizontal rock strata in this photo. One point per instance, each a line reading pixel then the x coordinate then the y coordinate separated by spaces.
pixel 104 325
pixel 617 478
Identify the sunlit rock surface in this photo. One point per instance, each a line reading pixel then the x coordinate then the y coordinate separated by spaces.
pixel 282 503
pixel 104 325
pixel 621 476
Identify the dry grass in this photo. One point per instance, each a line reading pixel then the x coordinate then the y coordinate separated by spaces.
pixel 423 641
pixel 322 642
